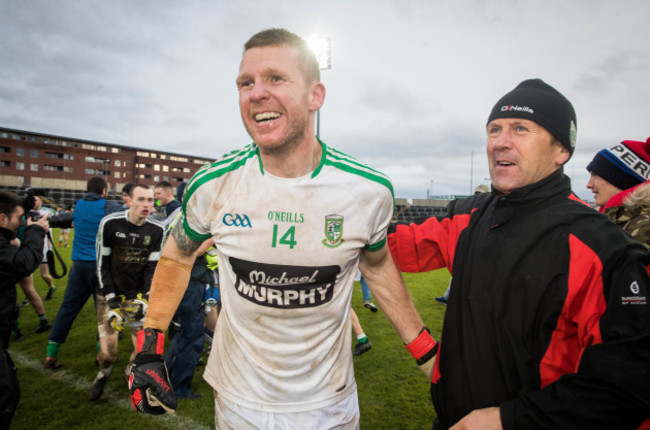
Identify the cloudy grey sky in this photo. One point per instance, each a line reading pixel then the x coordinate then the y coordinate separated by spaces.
pixel 410 88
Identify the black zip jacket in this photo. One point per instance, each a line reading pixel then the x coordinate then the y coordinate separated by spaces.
pixel 127 255
pixel 15 264
pixel 547 316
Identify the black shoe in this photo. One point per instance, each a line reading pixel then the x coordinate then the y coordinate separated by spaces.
pixel 442 300
pixel 360 348
pixel 25 302
pixel 42 327
pixel 370 306
pixel 50 293
pixel 52 364
pixel 97 389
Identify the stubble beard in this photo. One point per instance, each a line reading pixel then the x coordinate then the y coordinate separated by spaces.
pixel 292 140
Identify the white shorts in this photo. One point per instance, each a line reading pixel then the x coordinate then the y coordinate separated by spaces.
pixel 343 415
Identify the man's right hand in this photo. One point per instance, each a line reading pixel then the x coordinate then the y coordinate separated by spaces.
pixel 42 222
pixel 151 391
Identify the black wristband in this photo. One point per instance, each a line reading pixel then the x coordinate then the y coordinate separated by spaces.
pixel 428 356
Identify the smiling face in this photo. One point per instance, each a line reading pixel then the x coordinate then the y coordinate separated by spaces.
pixel 276 102
pixel 603 191
pixel 521 152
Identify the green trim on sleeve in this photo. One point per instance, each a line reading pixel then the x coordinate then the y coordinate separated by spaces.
pixel 376 246
pixel 194 235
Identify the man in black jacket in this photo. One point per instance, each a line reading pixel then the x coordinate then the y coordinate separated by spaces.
pixel 16 262
pixel 548 323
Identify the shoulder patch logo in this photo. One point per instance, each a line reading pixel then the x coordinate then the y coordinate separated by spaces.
pixel 635 299
pixel 146 241
pixel 333 230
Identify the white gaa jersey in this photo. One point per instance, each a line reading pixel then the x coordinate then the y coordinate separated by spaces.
pixel 288 251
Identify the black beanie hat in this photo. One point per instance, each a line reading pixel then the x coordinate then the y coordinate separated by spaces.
pixel 624 165
pixel 537 101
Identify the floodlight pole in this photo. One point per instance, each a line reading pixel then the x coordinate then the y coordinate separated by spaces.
pixel 323 49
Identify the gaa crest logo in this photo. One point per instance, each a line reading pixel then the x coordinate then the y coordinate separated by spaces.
pixel 147 241
pixel 333 230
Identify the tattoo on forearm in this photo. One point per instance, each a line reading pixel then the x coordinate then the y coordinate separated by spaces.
pixel 184 243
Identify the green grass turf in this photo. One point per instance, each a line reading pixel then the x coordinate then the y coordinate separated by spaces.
pixel 393 392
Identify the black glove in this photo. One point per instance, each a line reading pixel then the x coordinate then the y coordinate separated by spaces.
pixel 151 391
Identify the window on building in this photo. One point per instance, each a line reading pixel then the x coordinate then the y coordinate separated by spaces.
pixel 5 149
pixel 33 167
pixel 5 163
pixel 67 169
pixel 68 157
pixel 163 157
pixel 118 163
pixel 156 167
pixel 165 168
pixel 156 178
pixel 20 152
pixel 142 154
pixel 33 153
pixel 116 174
pixel 20 166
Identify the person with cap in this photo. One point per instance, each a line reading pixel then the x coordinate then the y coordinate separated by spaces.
pixel 547 324
pixel 619 181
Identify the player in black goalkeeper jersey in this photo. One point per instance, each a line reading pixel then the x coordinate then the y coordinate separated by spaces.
pixel 128 248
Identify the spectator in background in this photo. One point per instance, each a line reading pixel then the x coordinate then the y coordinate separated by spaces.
pixel 367 298
pixel 126 190
pixel 547 324
pixel 128 248
pixel 16 262
pixel 619 182
pixel 165 200
pixel 64 232
pixel 82 279
pixel 39 194
pixel 363 344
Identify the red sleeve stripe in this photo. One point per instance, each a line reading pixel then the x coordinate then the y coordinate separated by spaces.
pixel 578 325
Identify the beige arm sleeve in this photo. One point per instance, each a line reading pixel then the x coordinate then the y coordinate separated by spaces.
pixel 168 286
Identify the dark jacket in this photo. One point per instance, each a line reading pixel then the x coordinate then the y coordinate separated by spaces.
pixel 127 255
pixel 547 316
pixel 15 264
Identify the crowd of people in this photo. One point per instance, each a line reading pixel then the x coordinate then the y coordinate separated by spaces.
pixel 547 323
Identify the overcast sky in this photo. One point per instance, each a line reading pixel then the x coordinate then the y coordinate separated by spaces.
pixel 410 88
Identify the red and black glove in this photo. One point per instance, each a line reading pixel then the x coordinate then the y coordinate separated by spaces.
pixel 151 391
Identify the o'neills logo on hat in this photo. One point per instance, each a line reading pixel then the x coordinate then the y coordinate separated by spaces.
pixel 516 108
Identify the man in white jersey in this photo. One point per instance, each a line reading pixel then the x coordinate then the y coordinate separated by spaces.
pixel 291 218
